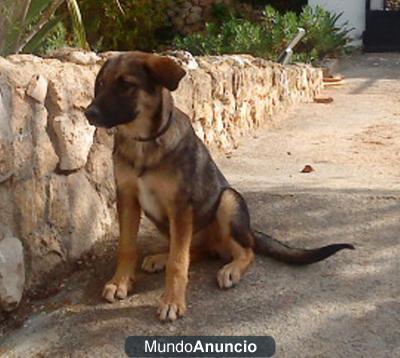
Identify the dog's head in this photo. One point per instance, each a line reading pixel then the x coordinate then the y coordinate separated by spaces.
pixel 129 87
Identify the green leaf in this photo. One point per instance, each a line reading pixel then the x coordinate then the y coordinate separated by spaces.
pixel 36 8
pixel 77 23
pixel 37 26
pixel 40 36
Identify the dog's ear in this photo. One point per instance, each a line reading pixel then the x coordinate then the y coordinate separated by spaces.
pixel 165 71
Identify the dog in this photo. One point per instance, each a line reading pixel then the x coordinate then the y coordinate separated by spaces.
pixel 164 170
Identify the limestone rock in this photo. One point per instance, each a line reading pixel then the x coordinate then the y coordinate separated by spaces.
pixel 46 246
pixel 186 5
pixel 196 10
pixel 194 17
pixel 58 202
pixel 74 139
pixel 75 55
pixel 30 202
pixel 71 88
pixel 20 122
pixel 6 138
pixel 37 88
pixel 90 218
pixel 171 13
pixel 184 58
pixel 205 2
pixel 45 157
pixel 178 22
pixel 12 273
pixel 7 223
pixel 100 168
pixel 84 58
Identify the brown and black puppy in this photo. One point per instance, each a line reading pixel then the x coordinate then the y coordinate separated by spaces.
pixel 164 170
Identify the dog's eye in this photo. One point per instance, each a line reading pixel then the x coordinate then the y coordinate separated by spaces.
pixel 126 83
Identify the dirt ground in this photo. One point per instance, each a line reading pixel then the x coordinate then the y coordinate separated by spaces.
pixel 346 306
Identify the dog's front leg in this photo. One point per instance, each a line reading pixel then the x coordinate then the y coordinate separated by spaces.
pixel 173 304
pixel 129 217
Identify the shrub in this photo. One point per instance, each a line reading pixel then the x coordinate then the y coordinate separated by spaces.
pixel 55 39
pixel 124 24
pixel 232 36
pixel 323 34
pixel 268 38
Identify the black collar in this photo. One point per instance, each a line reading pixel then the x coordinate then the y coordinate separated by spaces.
pixel 158 134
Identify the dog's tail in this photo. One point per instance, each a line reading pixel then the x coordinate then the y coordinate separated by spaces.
pixel 266 245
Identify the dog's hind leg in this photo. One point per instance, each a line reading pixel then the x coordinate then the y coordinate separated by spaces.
pixel 155 263
pixel 235 240
pixel 230 274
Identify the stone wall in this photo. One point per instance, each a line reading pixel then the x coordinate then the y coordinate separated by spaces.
pixel 56 181
pixel 188 16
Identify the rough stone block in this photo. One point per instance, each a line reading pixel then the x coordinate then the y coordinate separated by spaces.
pixel 12 273
pixel 74 139
pixel 6 138
pixel 90 217
pixel 37 88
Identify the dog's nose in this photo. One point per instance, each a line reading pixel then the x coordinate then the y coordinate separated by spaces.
pixel 92 113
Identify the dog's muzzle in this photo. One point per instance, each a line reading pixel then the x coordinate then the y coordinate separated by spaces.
pixel 93 115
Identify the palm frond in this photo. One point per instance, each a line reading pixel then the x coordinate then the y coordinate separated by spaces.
pixel 38 26
pixel 36 41
pixel 77 23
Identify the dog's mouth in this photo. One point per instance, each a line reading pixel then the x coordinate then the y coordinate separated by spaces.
pixel 96 118
pixel 100 125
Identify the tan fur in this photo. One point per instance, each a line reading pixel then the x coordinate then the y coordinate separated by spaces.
pixel 173 302
pixel 155 263
pixel 129 219
pixel 230 274
pixel 227 208
pixel 141 126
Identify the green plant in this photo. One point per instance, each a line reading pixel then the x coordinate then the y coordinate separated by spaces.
pixel 77 24
pixel 280 28
pixel 323 34
pixel 270 37
pixel 29 22
pixel 55 39
pixel 125 24
pixel 232 36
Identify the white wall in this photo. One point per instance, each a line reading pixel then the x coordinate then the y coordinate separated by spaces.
pixel 353 12
pixel 377 4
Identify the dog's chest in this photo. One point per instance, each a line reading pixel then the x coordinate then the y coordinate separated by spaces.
pixel 149 199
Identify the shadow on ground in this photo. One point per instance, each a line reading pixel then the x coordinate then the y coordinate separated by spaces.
pixel 348 304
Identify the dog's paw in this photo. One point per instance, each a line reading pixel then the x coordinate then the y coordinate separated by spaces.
pixel 118 288
pixel 169 311
pixel 155 263
pixel 228 276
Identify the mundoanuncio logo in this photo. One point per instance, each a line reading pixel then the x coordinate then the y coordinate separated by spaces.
pixel 200 346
